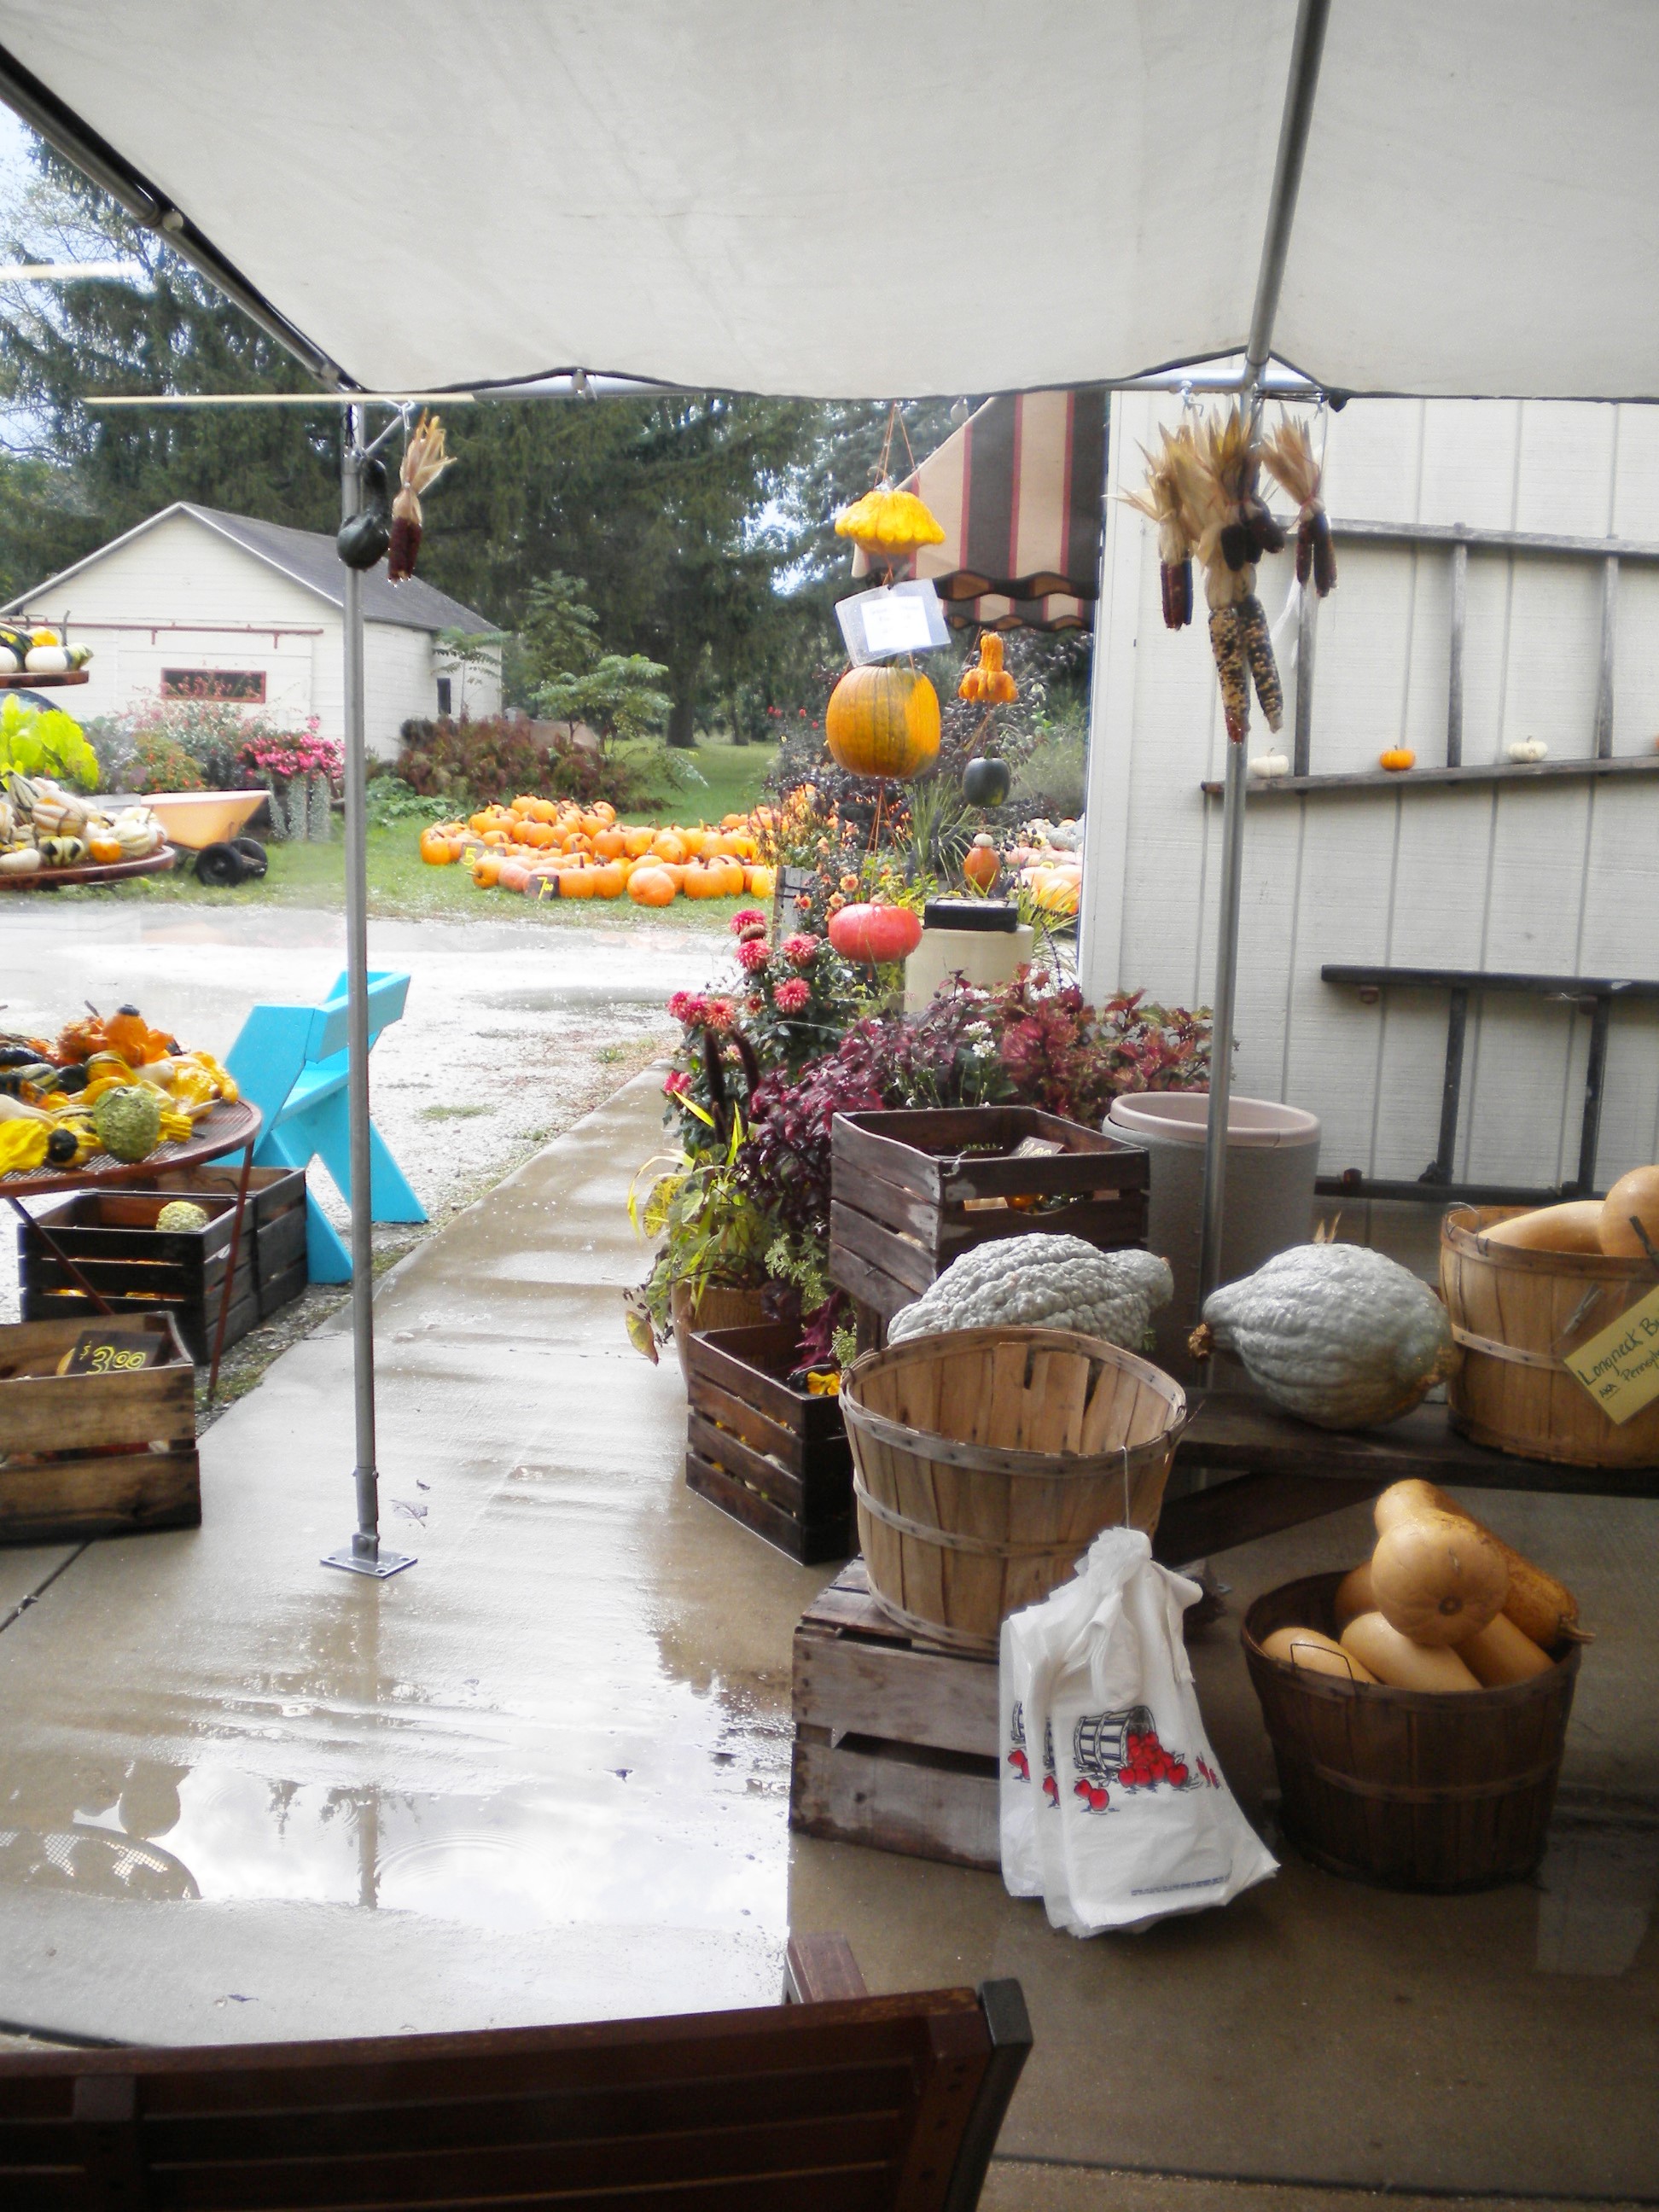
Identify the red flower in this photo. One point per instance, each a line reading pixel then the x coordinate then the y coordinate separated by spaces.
pixel 802 949
pixel 804 903
pixel 739 922
pixel 719 1014
pixel 752 954
pixel 794 996
pixel 678 1084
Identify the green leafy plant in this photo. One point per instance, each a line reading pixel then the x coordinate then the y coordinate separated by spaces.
pixel 45 741
pixel 618 698
pixel 714 1229
pixel 389 800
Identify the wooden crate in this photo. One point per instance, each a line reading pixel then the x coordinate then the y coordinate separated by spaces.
pixel 896 1741
pixel 112 1238
pixel 775 1458
pixel 94 1455
pixel 910 1190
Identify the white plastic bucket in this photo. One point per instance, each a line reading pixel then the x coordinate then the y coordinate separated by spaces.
pixel 1273 1156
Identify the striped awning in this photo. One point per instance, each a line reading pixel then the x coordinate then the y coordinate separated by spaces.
pixel 1017 488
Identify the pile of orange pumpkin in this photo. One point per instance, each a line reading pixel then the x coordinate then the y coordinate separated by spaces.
pixel 554 849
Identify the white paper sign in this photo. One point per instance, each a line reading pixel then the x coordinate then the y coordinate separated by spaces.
pixel 896 623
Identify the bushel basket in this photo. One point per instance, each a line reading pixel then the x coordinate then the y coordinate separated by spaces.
pixel 986 1460
pixel 1411 1789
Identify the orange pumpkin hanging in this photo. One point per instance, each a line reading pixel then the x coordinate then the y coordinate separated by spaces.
pixel 987 678
pixel 883 720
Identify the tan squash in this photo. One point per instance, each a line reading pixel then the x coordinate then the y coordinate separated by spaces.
pixel 1540 1606
pixel 1437 1578
pixel 1354 1595
pixel 1314 1654
pixel 1634 1197
pixel 1403 1665
pixel 1500 1654
pixel 1573 1227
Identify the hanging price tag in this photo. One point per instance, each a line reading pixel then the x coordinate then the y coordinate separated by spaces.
pixel 1620 1367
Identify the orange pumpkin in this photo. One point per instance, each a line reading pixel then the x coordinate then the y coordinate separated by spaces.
pixel 104 850
pixel 696 841
pixel 486 870
pixel 652 887
pixel 667 845
pixel 1398 759
pixel 735 878
pixel 435 848
pixel 637 842
pixel 609 844
pixel 609 879
pixel 604 813
pixel 883 720
pixel 514 876
pixel 760 881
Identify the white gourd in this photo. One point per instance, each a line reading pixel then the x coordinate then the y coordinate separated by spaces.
pixel 1042 1282
pixel 1337 1335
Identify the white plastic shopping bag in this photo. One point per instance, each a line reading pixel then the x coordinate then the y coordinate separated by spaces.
pixel 1120 1816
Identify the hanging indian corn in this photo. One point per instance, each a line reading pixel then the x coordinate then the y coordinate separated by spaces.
pixel 1288 455
pixel 424 462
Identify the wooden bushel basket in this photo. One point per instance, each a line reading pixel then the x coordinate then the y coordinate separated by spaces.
pixel 1404 1788
pixel 986 1462
pixel 1514 1314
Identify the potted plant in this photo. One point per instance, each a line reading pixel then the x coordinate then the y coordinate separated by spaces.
pixel 710 1269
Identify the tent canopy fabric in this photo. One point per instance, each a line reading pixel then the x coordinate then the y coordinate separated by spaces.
pixel 826 201
pixel 1017 490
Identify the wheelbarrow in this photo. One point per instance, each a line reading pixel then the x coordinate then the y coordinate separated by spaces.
pixel 209 823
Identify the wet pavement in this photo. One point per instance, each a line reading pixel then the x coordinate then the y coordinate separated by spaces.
pixel 544 1774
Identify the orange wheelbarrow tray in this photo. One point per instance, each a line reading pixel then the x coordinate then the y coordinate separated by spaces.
pixel 194 820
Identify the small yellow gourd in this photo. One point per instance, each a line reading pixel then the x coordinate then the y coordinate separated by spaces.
pixel 1403 1665
pixel 1500 1654
pixel 1438 1579
pixel 1314 1654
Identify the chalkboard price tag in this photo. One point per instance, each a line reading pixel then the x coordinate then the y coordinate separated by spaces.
pixel 112 1352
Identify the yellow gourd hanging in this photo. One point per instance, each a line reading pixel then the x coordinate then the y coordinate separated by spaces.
pixel 987 678
pixel 889 524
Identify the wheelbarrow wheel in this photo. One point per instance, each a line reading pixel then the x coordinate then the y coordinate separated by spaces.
pixel 255 858
pixel 221 866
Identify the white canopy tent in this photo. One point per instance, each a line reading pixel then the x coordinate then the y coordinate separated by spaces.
pixel 1399 196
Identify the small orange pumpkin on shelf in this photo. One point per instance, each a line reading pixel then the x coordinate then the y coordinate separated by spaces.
pixel 1397 759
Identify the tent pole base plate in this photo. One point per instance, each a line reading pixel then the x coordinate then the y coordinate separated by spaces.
pixel 376 1562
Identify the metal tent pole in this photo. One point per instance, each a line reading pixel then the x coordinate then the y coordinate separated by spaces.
pixel 364 1555
pixel 1307 45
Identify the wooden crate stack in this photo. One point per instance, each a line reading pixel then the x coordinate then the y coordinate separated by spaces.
pixel 775 1457
pixel 912 1189
pixel 112 1238
pixel 895 1743
pixel 96 1454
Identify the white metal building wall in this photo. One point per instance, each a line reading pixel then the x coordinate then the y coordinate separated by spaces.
pixel 1560 879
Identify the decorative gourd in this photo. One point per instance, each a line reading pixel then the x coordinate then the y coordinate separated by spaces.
pixel 1526 750
pixel 760 881
pixel 980 864
pixel 1575 1226
pixel 1500 1654
pixel 1394 1659
pixel 986 679
pixel 1337 1335
pixel 1438 1579
pixel 1635 1195
pixel 985 782
pixel 1540 1606
pixel 872 934
pixel 1042 1282
pixel 889 524
pixel 1270 766
pixel 1354 1595
pixel 1315 1655
pixel 883 720
pixel 1398 758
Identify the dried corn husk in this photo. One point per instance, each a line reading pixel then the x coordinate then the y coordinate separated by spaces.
pixel 1288 454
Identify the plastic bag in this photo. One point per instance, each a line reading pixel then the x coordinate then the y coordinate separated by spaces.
pixel 1113 1809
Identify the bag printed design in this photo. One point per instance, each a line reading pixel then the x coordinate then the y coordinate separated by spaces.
pixel 1146 1823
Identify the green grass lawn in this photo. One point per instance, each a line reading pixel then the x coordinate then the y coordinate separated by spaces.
pixel 402 886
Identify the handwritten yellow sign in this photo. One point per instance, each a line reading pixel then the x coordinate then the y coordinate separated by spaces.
pixel 1620 1367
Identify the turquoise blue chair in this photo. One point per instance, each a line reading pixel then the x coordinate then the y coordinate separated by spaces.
pixel 290 1062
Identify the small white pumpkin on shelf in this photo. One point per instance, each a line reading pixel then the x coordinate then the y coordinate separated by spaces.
pixel 1270 766
pixel 1525 751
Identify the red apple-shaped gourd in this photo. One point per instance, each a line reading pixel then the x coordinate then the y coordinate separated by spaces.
pixel 874 934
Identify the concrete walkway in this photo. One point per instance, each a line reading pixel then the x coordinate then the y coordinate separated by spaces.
pixel 543 1776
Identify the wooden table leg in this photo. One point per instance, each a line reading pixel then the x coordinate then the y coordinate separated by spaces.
pixel 101 1304
pixel 230 1270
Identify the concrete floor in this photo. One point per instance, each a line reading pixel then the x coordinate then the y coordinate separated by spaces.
pixel 543 1776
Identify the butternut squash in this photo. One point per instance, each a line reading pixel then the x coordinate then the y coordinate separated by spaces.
pixel 1353 1595
pixel 1500 1654
pixel 1403 1665
pixel 1540 1606
pixel 1575 1226
pixel 1634 1198
pixel 1437 1578
pixel 1315 1653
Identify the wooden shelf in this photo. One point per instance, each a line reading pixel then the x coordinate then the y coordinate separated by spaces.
pixel 1432 779
pixel 21 679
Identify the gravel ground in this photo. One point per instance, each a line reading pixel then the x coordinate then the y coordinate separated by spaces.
pixel 508 1037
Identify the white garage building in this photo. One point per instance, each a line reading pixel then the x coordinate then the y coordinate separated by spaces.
pixel 198 602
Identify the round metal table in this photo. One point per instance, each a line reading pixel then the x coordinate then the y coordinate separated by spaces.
pixel 224 1129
